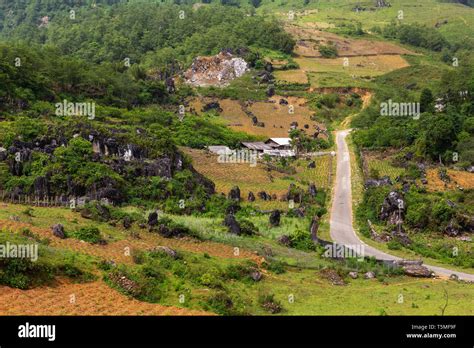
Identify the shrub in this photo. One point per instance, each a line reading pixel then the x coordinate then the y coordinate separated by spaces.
pixel 267 302
pixel 274 266
pixel 328 51
pixel 221 303
pixel 394 245
pixel 88 234
pixel 301 239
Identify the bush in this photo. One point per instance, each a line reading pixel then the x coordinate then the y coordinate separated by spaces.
pixel 275 266
pixel 328 51
pixel 394 245
pixel 267 302
pixel 301 239
pixel 240 271
pixel 247 227
pixel 88 234
pixel 221 303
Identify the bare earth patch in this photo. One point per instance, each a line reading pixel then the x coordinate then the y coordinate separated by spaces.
pixel 308 40
pixel 356 65
pixel 461 178
pixel 94 298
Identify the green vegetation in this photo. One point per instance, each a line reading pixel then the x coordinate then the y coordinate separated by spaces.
pixel 40 269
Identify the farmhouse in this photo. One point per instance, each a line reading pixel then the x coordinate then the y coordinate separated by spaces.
pixel 258 146
pixel 279 143
pixel 280 147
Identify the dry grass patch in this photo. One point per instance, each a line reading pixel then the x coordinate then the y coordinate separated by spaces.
pixel 461 178
pixel 308 40
pixel 358 66
pixel 291 76
pixel 277 118
pixel 94 298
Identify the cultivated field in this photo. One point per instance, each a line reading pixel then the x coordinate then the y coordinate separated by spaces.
pixel 357 66
pixel 309 39
pixel 460 18
pixel 258 178
pixel 93 298
pixel 277 117
pixel 291 76
pixel 458 178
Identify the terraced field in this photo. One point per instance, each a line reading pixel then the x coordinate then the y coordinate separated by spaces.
pixel 276 117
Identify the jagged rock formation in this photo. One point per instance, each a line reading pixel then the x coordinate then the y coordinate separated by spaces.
pixel 251 197
pixel 117 149
pixel 393 208
pixel 234 194
pixel 275 218
pixel 216 70
pixel 231 222
pixel 384 181
pixel 58 231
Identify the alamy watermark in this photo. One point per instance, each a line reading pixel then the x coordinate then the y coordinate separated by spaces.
pixel 238 156
pixel 75 109
pixel 392 108
pixel 340 251
pixel 20 251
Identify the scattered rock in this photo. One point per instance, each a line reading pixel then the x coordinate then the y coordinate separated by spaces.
pixel 275 218
pixel 265 196
pixel 393 208
pixel 153 219
pixel 353 275
pixel 234 194
pixel 454 277
pixel 369 275
pixel 256 276
pixel 232 224
pixel 232 209
pixel 332 276
pixel 251 197
pixel 126 284
pixel 400 234
pixel 284 240
pixel 212 106
pixel 452 229
pixel 166 250
pixel 298 212
pixel 127 222
pixel 313 229
pixel 58 231
pixel 384 181
pixel 417 271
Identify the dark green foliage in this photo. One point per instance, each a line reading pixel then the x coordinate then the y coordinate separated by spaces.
pixel 25 273
pixel 301 240
pixel 274 266
pixel 221 303
pixel 328 51
pixel 426 101
pixel 88 234
pixel 416 35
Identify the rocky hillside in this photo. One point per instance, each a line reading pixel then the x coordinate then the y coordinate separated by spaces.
pixel 80 159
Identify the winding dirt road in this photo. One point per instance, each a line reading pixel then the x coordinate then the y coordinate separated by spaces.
pixel 341 229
